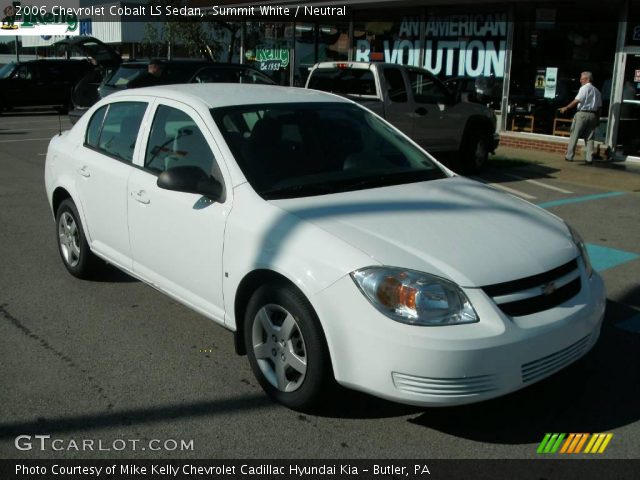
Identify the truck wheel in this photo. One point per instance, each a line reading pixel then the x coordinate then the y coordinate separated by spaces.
pixel 474 153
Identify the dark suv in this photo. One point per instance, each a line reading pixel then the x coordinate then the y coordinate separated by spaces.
pixel 174 71
pixel 40 82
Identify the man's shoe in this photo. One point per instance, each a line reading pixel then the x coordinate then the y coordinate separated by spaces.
pixel 568 159
pixel 590 164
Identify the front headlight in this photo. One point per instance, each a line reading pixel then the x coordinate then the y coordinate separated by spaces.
pixel 414 297
pixel 582 248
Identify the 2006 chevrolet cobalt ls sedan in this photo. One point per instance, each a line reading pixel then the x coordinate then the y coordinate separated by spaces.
pixel 326 240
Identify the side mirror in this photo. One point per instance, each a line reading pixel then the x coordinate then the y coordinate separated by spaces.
pixel 190 179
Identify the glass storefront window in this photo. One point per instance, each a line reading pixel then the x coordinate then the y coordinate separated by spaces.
pixel 333 41
pixel 396 39
pixel 318 43
pixel 305 52
pixel 551 47
pixel 228 37
pixel 268 48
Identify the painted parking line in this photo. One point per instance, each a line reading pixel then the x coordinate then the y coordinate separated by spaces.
pixel 604 258
pixel 539 184
pixel 585 198
pixel 25 140
pixel 630 324
pixel 506 189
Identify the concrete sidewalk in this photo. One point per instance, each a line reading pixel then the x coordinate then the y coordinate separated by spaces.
pixel 616 176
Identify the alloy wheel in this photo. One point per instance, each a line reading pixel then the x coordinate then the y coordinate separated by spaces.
pixel 279 348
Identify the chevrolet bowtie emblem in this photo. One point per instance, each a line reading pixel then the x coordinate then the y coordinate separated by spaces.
pixel 548 288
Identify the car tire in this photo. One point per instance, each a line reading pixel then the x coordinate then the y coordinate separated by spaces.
pixel 474 153
pixel 286 347
pixel 72 243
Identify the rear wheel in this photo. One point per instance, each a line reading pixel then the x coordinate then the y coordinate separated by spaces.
pixel 72 244
pixel 286 346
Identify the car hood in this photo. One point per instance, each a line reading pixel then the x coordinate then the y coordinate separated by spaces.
pixel 455 228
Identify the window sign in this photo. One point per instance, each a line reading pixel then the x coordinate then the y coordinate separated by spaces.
pixel 550 82
pixel 539 84
pixel 455 45
pixel 271 57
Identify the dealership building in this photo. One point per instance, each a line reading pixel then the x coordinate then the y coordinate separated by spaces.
pixel 522 58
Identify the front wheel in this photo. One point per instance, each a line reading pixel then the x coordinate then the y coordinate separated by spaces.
pixel 286 346
pixel 474 153
pixel 72 243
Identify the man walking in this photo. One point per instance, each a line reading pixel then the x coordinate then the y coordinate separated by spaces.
pixel 586 119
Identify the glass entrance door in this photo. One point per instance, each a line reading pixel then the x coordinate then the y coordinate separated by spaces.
pixel 629 127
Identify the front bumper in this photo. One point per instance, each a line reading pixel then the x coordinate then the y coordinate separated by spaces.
pixel 454 365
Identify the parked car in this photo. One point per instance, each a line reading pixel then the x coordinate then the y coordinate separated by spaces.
pixel 176 71
pixel 416 102
pixel 329 243
pixel 40 82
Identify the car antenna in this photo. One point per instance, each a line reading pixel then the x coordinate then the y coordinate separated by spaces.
pixel 59 123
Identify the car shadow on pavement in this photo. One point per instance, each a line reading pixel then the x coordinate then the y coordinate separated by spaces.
pixel 138 416
pixel 596 394
pixel 107 273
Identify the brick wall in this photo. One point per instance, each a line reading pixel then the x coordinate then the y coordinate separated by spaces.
pixel 540 144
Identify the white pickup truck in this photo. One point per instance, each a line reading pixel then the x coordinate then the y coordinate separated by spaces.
pixel 417 103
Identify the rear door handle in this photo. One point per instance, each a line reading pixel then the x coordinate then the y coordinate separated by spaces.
pixel 141 196
pixel 84 171
pixel 421 111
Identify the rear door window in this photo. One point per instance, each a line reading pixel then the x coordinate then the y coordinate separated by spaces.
pixel 120 129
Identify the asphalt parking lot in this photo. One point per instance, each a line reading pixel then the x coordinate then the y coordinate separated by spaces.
pixel 114 359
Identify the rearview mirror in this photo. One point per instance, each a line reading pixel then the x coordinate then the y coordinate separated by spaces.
pixel 190 179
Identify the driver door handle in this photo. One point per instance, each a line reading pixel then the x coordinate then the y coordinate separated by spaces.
pixel 421 111
pixel 84 171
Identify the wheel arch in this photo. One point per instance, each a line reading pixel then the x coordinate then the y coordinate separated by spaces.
pixel 62 193
pixel 59 195
pixel 246 288
pixel 477 123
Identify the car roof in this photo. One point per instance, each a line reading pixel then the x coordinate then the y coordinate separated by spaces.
pixel 229 94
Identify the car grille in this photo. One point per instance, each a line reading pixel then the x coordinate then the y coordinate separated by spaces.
pixel 537 293
pixel 445 387
pixel 552 363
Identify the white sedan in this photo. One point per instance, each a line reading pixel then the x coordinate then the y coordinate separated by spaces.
pixel 331 245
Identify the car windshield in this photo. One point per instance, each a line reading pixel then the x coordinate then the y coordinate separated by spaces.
pixel 125 74
pixel 7 70
pixel 303 149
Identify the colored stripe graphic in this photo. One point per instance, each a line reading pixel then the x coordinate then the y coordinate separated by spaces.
pixel 597 443
pixel 551 443
pixel 586 198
